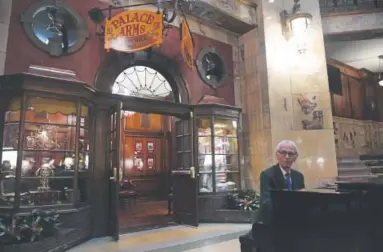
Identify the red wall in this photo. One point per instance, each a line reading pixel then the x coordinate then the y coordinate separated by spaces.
pixel 21 53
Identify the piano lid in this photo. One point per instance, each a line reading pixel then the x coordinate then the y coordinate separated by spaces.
pixel 321 191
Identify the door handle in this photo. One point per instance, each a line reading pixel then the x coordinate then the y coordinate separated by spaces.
pixel 192 172
pixel 114 177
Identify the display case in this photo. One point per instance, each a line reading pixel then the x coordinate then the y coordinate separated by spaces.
pixel 47 125
pixel 218 148
pixel 45 152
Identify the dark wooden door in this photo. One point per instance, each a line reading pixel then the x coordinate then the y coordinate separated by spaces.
pixel 184 174
pixel 113 166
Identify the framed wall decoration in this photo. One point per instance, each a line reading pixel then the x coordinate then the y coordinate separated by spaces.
pixel 138 146
pixel 150 163
pixel 150 146
pixel 139 162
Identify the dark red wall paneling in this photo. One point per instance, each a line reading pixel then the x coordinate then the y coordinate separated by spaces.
pixel 21 53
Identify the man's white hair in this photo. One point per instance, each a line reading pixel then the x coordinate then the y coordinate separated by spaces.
pixel 287 143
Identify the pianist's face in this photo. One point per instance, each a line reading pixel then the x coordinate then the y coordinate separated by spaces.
pixel 286 156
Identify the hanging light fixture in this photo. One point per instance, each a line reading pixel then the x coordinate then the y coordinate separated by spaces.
pixel 296 25
pixel 380 75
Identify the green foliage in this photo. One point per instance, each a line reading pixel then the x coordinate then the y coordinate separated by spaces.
pixel 28 228
pixel 243 200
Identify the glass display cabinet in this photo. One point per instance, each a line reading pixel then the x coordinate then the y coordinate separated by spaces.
pixel 46 126
pixel 218 148
pixel 45 152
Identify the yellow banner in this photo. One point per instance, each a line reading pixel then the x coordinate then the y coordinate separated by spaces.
pixel 133 30
pixel 187 47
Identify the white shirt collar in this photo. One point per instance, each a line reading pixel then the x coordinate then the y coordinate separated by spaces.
pixel 284 172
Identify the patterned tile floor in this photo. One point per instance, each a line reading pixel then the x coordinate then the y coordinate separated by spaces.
pixel 205 238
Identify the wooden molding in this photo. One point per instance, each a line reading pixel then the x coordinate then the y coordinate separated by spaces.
pixel 347 70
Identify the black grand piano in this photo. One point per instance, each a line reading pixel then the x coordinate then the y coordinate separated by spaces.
pixel 348 218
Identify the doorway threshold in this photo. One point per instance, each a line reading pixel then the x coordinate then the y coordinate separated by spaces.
pixel 128 230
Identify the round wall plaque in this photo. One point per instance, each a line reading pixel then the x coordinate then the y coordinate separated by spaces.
pixel 54 27
pixel 211 67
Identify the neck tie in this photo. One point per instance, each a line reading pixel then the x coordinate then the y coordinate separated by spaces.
pixel 288 182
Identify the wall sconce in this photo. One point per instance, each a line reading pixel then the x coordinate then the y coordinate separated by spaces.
pixel 296 25
pixel 380 75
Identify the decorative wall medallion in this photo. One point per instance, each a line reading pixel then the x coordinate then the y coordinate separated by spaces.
pixel 54 27
pixel 307 106
pixel 211 67
pixel 316 122
pixel 308 111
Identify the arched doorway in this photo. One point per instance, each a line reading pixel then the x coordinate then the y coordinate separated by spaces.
pixel 145 134
pixel 116 66
pixel 142 81
pixel 145 151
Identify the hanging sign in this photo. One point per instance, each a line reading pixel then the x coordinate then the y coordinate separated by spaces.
pixel 187 44
pixel 133 30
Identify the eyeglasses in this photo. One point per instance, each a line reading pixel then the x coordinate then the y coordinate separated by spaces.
pixel 287 153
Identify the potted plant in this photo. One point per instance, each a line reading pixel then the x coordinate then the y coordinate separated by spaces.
pixel 22 229
pixel 243 200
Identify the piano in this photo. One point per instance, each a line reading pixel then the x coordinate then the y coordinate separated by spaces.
pixel 348 218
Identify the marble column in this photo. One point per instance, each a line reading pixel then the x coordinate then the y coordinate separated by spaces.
pixel 285 94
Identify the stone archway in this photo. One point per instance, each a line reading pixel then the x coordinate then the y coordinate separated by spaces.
pixel 117 64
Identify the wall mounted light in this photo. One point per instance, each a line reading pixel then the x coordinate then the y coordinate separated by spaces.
pixel 380 75
pixel 296 25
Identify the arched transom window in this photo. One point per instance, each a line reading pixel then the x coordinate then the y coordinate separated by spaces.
pixel 142 81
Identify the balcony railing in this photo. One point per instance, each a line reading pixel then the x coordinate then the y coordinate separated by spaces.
pixel 333 6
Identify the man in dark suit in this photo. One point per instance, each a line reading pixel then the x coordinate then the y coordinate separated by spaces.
pixel 277 177
pixel 280 176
